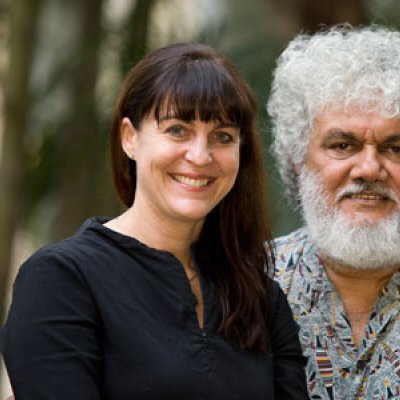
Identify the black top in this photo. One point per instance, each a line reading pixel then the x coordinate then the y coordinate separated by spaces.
pixel 102 316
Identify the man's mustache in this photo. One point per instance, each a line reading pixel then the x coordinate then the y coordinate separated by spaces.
pixel 375 188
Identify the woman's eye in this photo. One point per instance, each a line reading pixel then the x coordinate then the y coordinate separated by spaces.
pixel 176 130
pixel 223 137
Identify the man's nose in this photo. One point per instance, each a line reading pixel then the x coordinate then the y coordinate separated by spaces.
pixel 369 165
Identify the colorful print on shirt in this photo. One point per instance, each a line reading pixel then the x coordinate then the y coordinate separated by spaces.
pixel 337 369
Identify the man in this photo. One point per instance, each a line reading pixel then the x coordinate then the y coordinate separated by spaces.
pixel 335 108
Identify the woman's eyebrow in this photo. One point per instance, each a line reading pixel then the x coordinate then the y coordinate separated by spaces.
pixel 219 125
pixel 227 125
pixel 167 117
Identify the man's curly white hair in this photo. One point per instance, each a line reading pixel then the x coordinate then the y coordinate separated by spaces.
pixel 338 68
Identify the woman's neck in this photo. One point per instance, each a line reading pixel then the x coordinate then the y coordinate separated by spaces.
pixel 159 233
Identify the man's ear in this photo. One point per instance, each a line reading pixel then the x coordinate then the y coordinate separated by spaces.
pixel 128 137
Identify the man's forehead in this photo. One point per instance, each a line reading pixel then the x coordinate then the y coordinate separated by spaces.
pixel 352 122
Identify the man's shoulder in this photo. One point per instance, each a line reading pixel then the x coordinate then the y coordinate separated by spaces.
pixel 291 245
pixel 289 250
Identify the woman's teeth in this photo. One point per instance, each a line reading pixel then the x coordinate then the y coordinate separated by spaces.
pixel 190 181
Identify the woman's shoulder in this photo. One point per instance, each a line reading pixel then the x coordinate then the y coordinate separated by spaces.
pixel 73 253
pixel 275 292
pixel 278 305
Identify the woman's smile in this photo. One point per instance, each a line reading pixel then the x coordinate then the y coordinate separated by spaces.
pixel 195 182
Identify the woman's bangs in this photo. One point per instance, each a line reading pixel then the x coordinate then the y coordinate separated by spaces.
pixel 201 91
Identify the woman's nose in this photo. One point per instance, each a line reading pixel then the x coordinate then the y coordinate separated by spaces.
pixel 199 152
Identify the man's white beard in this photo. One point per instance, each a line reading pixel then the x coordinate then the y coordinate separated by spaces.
pixel 357 244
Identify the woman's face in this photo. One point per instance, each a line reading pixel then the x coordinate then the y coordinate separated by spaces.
pixel 184 169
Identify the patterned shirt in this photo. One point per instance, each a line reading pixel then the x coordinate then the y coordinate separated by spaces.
pixel 337 369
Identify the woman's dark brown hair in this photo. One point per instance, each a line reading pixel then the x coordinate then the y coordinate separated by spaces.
pixel 194 81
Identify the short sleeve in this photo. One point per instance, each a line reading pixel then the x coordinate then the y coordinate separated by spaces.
pixel 51 345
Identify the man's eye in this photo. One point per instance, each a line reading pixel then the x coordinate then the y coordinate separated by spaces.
pixel 395 149
pixel 342 150
pixel 341 146
pixel 392 152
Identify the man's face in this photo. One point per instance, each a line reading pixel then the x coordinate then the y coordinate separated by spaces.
pixel 357 159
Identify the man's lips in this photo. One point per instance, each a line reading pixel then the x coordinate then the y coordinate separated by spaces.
pixel 366 196
pixel 367 192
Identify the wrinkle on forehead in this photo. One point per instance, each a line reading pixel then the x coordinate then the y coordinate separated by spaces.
pixel 371 126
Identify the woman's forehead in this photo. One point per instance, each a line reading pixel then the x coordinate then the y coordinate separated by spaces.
pixel 189 111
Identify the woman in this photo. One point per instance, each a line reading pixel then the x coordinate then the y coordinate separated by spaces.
pixel 169 300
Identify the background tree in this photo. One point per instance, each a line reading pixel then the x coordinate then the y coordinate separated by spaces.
pixel 80 160
pixel 136 34
pixel 23 22
pixel 65 61
pixel 311 15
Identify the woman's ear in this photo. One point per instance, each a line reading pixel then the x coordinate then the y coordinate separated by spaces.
pixel 128 137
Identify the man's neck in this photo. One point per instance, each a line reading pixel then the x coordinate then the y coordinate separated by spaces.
pixel 358 283
pixel 359 291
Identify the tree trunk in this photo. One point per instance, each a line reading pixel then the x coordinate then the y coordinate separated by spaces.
pixel 135 44
pixel 23 21
pixel 80 145
pixel 309 16
pixel 315 14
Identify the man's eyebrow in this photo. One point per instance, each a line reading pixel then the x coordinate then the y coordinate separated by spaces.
pixel 340 134
pixel 392 138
